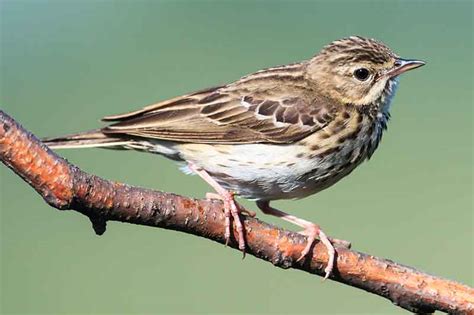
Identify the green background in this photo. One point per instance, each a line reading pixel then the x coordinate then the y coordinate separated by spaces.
pixel 65 64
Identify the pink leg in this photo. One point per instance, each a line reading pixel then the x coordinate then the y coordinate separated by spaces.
pixel 230 206
pixel 311 230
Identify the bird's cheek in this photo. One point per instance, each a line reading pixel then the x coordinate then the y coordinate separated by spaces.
pixel 372 93
pixel 341 84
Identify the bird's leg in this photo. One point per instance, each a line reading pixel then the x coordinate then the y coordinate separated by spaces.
pixel 311 230
pixel 230 206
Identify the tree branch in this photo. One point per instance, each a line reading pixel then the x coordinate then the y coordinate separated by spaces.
pixel 65 186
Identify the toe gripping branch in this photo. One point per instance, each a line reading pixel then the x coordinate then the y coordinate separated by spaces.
pixel 65 186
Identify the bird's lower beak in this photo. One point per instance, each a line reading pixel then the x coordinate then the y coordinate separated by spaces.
pixel 403 65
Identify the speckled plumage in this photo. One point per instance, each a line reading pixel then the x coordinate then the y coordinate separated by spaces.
pixel 279 133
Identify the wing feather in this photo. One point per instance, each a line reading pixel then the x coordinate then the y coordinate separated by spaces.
pixel 227 116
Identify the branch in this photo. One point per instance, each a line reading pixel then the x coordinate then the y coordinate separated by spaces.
pixel 65 186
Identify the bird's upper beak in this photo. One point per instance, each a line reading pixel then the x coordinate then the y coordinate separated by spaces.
pixel 403 65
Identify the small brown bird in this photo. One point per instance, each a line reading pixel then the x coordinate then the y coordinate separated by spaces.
pixel 280 133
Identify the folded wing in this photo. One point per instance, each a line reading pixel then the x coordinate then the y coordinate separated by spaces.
pixel 226 116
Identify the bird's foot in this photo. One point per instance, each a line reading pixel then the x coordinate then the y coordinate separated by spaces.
pixel 247 212
pixel 313 232
pixel 232 209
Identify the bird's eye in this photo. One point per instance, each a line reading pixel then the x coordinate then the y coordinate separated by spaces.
pixel 361 74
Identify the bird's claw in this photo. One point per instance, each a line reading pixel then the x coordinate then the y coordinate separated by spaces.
pixel 232 209
pixel 312 232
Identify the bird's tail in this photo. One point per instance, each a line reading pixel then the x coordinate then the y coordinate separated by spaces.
pixel 88 139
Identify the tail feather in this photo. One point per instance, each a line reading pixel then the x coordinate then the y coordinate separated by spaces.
pixel 88 139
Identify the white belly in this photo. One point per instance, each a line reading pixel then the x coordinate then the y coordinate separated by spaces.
pixel 276 171
pixel 270 172
pixel 254 171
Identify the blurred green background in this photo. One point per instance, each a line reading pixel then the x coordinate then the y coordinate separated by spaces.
pixel 65 64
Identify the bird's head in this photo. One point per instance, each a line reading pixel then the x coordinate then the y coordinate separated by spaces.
pixel 356 70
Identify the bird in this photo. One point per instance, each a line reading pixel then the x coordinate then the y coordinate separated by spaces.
pixel 284 132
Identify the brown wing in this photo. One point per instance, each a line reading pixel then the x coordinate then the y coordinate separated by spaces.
pixel 226 116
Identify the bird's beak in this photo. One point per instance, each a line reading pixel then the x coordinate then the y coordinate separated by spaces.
pixel 403 65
